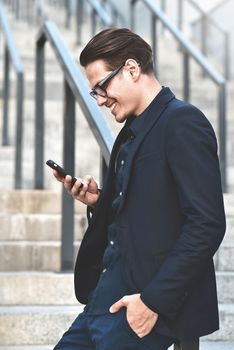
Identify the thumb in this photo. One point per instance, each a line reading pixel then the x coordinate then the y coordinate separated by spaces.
pixel 118 305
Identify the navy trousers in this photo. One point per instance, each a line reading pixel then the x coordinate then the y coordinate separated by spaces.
pixel 109 332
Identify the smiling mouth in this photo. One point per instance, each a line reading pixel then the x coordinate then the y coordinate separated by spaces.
pixel 112 106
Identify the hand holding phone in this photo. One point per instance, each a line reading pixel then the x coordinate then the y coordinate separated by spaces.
pixel 60 170
pixel 89 194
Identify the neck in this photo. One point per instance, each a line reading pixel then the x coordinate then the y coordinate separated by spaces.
pixel 149 89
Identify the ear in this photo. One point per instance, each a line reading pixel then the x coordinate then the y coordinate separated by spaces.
pixel 133 67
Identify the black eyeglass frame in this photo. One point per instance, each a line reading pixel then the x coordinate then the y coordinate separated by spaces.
pixel 102 85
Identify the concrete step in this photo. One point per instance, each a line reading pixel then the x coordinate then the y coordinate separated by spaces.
pixel 224 257
pixel 35 325
pixel 34 202
pixel 26 288
pixel 226 314
pixel 229 204
pixel 204 345
pixel 37 288
pixel 44 255
pixel 46 226
pixel 7 153
pixel 225 286
pixel 37 227
pixel 27 347
pixel 32 255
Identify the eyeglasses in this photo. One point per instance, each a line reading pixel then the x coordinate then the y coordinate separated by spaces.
pixel 100 88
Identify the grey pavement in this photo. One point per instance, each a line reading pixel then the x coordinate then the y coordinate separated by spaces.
pixel 204 345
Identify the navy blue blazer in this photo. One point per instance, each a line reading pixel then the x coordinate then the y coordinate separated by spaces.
pixel 170 221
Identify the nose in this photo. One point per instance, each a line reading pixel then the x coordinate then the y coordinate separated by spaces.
pixel 101 100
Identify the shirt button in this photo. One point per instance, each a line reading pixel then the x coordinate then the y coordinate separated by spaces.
pixel 104 270
pixel 120 193
pixel 112 242
pixel 122 162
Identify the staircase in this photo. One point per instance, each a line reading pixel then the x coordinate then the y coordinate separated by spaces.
pixel 37 302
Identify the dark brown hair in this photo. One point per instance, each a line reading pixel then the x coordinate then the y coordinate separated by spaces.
pixel 115 46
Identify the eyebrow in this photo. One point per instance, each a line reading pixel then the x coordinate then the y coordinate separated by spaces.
pixel 101 80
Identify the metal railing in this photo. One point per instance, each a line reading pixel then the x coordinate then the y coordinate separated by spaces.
pixel 188 52
pixel 41 14
pixel 76 90
pixel 21 8
pixel 98 12
pixel 28 10
pixel 116 15
pixel 12 58
pixel 206 20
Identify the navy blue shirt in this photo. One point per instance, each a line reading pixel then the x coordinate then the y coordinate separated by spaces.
pixel 111 286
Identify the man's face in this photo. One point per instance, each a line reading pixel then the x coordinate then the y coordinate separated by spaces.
pixel 121 94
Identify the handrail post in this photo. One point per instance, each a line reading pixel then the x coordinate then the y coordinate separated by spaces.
pixel 186 77
pixel 180 14
pixel 68 14
pixel 226 56
pixel 180 18
pixel 79 19
pixel 222 135
pixel 17 10
pixel 204 37
pixel 154 40
pixel 93 24
pixel 67 249
pixel 163 8
pixel 132 14
pixel 5 129
pixel 39 116
pixel 19 131
pixel 114 16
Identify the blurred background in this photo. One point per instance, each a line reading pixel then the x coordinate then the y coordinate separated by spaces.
pixel 47 113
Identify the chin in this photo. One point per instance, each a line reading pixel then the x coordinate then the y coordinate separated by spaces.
pixel 120 118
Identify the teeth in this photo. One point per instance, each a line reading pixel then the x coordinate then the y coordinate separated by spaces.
pixel 112 106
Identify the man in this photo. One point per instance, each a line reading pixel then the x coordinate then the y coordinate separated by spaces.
pixel 145 269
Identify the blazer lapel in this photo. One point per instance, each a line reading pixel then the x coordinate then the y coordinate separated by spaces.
pixel 108 183
pixel 154 113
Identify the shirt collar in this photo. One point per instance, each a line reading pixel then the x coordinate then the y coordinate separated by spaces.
pixel 135 123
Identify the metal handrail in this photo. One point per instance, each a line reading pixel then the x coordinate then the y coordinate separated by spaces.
pixel 115 13
pixel 11 55
pixel 40 10
pixel 37 5
pixel 97 11
pixel 205 19
pixel 219 5
pixel 189 51
pixel 76 90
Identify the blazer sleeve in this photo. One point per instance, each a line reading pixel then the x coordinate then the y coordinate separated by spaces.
pixel 191 150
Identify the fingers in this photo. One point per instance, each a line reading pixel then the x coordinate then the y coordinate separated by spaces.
pixel 73 188
pixel 143 327
pixel 57 176
pixel 82 186
pixel 119 304
pixel 83 189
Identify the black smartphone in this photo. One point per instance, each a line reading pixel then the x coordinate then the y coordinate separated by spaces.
pixel 60 170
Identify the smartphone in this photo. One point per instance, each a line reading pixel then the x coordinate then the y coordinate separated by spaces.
pixel 60 170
